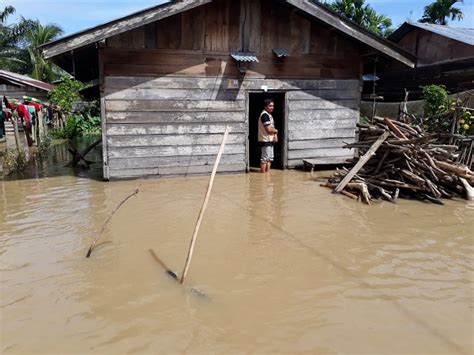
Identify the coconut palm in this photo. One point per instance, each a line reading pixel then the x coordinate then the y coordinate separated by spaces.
pixel 7 11
pixel 362 14
pixel 39 34
pixel 12 41
pixel 440 11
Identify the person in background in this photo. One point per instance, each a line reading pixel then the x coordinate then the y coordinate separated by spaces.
pixel 267 135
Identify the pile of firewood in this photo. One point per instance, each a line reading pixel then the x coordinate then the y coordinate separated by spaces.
pixel 400 160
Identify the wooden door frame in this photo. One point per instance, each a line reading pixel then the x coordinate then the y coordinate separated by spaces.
pixel 284 153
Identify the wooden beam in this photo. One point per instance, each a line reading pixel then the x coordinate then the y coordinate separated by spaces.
pixel 353 31
pixel 362 161
pixel 116 27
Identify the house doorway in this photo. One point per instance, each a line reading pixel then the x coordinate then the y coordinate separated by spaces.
pixel 255 109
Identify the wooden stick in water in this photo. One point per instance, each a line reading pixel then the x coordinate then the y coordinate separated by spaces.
pixel 204 206
pixel 167 269
pixel 108 219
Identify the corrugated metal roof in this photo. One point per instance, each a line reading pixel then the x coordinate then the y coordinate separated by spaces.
pixel 244 57
pixel 25 80
pixel 465 35
pixel 281 52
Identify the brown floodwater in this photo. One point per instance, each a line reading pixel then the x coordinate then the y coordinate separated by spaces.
pixel 286 267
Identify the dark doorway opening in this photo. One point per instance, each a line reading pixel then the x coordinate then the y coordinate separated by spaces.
pixel 255 109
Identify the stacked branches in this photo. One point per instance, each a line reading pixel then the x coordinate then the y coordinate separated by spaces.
pixel 400 160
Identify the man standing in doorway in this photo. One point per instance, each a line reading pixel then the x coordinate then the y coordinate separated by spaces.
pixel 267 135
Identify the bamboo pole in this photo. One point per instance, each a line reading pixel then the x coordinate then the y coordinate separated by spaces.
pixel 204 206
pixel 91 248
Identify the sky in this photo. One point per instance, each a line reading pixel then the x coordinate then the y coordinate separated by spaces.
pixel 77 15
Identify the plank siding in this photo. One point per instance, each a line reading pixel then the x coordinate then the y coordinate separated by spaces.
pixel 156 125
pixel 170 89
pixel 17 92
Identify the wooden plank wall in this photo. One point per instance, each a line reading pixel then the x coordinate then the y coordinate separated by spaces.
pixel 431 48
pixel 16 92
pixel 320 120
pixel 173 125
pixel 216 27
pixel 170 89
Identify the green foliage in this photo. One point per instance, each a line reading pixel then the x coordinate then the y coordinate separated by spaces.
pixel 42 69
pixel 79 125
pixel 68 132
pixel 436 100
pixel 88 125
pixel 362 14
pixel 19 46
pixel 66 93
pixel 440 11
pixel 441 110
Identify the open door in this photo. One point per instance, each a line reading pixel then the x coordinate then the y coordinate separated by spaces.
pixel 255 109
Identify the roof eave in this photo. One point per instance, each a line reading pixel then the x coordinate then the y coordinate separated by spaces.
pixel 156 13
pixel 118 26
pixel 351 29
pixel 23 83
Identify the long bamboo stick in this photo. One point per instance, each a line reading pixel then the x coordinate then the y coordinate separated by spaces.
pixel 204 206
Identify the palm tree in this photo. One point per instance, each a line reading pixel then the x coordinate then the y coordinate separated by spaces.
pixel 362 14
pixel 7 11
pixel 12 39
pixel 440 11
pixel 40 34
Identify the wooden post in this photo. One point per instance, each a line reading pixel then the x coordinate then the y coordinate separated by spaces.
pixel 204 206
pixel 362 161
pixel 15 131
pixel 40 123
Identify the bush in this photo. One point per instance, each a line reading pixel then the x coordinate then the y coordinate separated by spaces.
pixel 78 125
pixel 88 125
pixel 66 93
pixel 437 100
pixel 441 110
pixel 68 132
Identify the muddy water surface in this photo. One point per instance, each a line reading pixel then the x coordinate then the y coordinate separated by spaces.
pixel 286 267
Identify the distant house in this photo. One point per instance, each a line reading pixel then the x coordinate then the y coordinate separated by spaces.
pixel 445 55
pixel 16 86
pixel 172 77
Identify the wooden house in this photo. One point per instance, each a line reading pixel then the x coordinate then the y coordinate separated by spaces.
pixel 172 78
pixel 16 86
pixel 445 56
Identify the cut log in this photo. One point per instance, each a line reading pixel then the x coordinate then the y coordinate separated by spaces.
pixel 362 187
pixel 460 170
pixel 395 129
pixel 469 189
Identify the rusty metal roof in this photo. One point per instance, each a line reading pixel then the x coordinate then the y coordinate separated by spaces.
pixel 465 35
pixel 281 52
pixel 248 57
pixel 25 80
